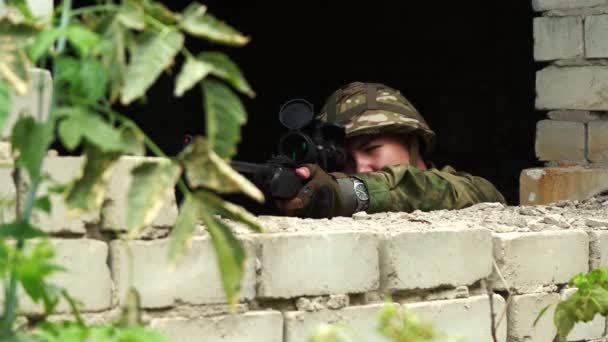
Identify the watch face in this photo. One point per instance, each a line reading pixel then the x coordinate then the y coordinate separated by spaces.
pixel 361 192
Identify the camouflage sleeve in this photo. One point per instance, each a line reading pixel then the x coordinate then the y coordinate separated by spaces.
pixel 406 188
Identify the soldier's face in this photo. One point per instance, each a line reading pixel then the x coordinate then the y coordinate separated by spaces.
pixel 373 152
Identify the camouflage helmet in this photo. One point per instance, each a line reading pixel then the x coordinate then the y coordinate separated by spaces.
pixel 373 108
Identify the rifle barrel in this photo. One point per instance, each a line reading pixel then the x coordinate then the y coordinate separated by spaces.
pixel 245 167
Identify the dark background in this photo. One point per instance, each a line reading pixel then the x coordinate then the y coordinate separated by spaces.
pixel 467 67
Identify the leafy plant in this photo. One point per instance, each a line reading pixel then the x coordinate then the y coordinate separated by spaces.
pixel 102 55
pixel 590 299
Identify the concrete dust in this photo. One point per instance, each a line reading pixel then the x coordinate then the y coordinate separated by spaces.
pixel 591 214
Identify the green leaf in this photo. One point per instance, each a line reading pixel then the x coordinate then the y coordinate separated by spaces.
pixel 563 319
pixel 182 233
pixel 82 38
pixel 152 53
pixel 152 183
pixel 132 141
pixel 81 124
pixel 159 12
pixel 30 140
pixel 33 269
pixel 43 43
pixel 87 192
pixel 114 60
pixel 224 68
pixel 5 102
pixel 205 169
pixel 131 14
pixel 192 72
pixel 43 203
pixel 139 334
pixel 80 80
pixel 230 255
pixel 225 115
pixel 229 210
pixel 540 314
pixel 197 22
pixel 20 230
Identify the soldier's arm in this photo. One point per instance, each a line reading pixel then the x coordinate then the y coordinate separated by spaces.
pixel 406 188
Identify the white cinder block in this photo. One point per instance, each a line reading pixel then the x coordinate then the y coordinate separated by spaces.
pixel 597 141
pixel 467 318
pixel 524 310
pixel 86 276
pixel 195 279
pixel 584 88
pixel 596 30
pixel 359 322
pixel 433 258
pixel 115 209
pixel 558 38
pixel 62 170
pixel 560 140
pixel 545 5
pixel 318 263
pixel 264 326
pixel 530 260
pixel 36 102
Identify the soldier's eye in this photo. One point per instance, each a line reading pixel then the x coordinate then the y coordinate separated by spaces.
pixel 370 148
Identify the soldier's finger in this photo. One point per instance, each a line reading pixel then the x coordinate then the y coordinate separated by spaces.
pixel 303 172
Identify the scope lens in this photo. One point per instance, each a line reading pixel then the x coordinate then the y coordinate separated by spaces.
pixel 296 147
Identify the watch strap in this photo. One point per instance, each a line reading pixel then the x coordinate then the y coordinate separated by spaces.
pixel 349 198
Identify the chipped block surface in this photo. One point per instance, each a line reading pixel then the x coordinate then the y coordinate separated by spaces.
pixel 523 312
pixel 114 211
pixel 467 318
pixel 359 321
pixel 597 145
pixel 596 29
pixel 530 260
pixel 318 263
pixel 598 246
pixel 428 259
pixel 560 140
pixel 572 88
pixel 573 115
pixel 62 170
pixel 552 184
pixel 558 38
pixel 264 326
pixel 195 279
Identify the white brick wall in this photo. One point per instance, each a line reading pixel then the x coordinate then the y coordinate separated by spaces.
pixel 530 260
pixel 427 259
pixel 266 326
pixel 195 279
pixel 551 184
pixel 572 88
pixel 558 38
pixel 318 263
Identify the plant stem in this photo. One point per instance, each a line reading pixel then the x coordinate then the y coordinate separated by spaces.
pixel 65 19
pixel 96 8
pixel 10 305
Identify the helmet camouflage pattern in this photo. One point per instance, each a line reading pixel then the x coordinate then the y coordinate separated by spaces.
pixel 373 108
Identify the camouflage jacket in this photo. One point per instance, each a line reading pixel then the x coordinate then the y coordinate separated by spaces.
pixel 406 188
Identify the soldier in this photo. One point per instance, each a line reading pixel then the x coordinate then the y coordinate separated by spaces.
pixel 387 140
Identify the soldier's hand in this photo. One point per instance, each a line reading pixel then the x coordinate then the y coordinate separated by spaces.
pixel 320 196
